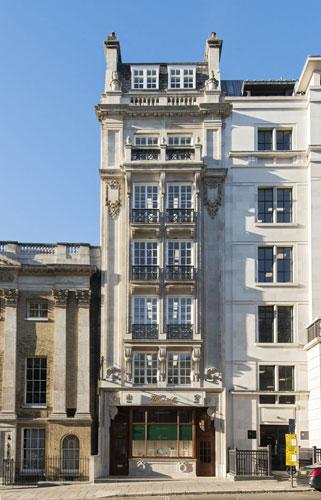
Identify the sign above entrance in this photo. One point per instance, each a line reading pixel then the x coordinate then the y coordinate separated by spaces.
pixel 159 398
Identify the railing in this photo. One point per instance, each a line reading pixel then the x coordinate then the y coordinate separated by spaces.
pixel 73 249
pixel 180 215
pixel 180 273
pixel 179 154
pixel 145 154
pixel 181 101
pixel 309 456
pixel 36 248
pixel 182 331
pixel 170 101
pixel 145 273
pixel 250 462
pixel 145 215
pixel 144 331
pixel 314 330
pixel 53 469
pixel 144 101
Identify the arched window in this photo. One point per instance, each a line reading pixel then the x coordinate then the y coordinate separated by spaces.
pixel 70 454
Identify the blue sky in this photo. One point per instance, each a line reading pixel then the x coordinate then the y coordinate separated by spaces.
pixel 52 69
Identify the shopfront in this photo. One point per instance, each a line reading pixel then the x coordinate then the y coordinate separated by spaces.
pixel 161 441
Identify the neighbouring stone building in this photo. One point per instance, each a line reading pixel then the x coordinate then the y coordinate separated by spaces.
pixel 49 336
pixel 197 320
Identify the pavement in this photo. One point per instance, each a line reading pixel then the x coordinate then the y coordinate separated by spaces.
pixel 135 487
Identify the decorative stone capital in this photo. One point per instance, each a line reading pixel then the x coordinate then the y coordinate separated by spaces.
pixel 113 197
pixel 83 298
pixel 10 296
pixel 213 194
pixel 60 296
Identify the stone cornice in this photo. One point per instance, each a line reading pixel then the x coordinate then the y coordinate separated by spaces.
pixel 82 269
pixel 104 111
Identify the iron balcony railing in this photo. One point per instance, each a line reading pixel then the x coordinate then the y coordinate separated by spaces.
pixel 180 215
pixel 144 331
pixel 180 273
pixel 179 154
pixel 180 331
pixel 145 154
pixel 314 330
pixel 145 215
pixel 145 273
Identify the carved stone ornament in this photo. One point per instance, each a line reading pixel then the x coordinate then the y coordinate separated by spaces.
pixel 83 297
pixel 60 296
pixel 196 356
pixel 162 364
pixel 128 363
pixel 213 194
pixel 10 296
pixel 113 199
pixel 212 82
pixel 115 83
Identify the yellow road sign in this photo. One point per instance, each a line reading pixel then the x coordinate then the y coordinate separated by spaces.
pixel 291 450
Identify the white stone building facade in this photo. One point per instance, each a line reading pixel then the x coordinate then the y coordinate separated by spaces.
pixel 210 267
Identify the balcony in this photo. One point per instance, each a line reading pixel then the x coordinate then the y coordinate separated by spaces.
pixel 180 273
pixel 144 331
pixel 179 154
pixel 145 155
pixel 314 330
pixel 180 215
pixel 145 273
pixel 179 332
pixel 145 216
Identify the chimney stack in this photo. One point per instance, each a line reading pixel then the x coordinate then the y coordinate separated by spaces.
pixel 113 58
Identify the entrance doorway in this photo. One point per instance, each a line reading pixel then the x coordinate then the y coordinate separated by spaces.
pixel 119 444
pixel 275 436
pixel 205 446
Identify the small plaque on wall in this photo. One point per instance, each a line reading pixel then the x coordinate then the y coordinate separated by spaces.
pixel 304 435
pixel 251 434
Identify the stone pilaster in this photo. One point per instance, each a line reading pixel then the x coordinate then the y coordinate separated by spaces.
pixel 59 386
pixel 10 296
pixel 83 366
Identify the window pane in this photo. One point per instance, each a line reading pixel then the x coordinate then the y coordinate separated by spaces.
pixel 286 400
pixel 284 205
pixel 265 205
pixel 285 324
pixel 36 380
pixel 283 140
pixel 265 264
pixel 286 382
pixel 266 321
pixel 284 264
pixel 267 399
pixel 266 378
pixel 265 140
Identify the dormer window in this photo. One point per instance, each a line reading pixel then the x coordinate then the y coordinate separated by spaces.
pixel 179 140
pixel 145 78
pixel 181 77
pixel 146 140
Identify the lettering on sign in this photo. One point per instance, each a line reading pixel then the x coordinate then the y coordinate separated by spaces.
pixel 163 398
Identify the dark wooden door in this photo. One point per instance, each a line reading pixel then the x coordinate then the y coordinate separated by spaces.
pixel 119 444
pixel 205 445
pixel 275 436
